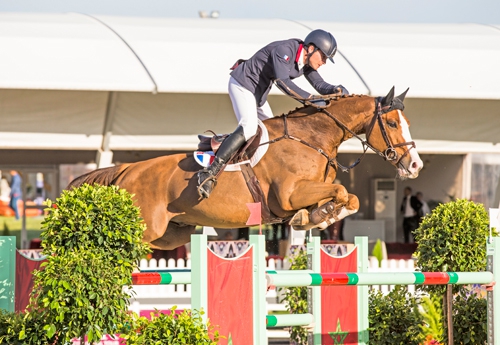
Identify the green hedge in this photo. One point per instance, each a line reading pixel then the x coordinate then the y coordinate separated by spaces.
pixel 93 241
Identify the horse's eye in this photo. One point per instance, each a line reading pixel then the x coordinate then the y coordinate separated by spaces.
pixel 392 124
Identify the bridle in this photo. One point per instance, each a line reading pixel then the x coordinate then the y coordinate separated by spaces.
pixel 389 153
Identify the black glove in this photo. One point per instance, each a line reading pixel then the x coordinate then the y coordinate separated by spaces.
pixel 340 90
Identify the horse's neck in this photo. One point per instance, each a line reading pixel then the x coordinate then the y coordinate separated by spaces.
pixel 320 129
pixel 354 114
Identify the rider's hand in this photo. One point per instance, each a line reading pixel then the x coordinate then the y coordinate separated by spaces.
pixel 340 90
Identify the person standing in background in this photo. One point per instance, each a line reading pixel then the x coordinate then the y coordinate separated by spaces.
pixel 410 208
pixel 424 210
pixel 15 192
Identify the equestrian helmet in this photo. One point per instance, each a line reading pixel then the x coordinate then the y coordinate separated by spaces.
pixel 323 41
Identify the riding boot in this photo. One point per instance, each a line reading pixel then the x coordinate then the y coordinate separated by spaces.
pixel 207 178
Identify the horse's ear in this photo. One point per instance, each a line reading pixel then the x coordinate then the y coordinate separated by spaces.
pixel 387 100
pixel 402 96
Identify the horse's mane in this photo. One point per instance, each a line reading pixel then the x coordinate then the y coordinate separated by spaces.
pixel 103 176
pixel 300 110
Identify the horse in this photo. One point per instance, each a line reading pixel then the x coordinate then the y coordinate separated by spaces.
pixel 295 175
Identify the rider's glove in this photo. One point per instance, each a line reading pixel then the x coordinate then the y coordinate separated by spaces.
pixel 340 90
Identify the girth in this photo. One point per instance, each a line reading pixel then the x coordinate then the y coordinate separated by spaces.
pixel 268 217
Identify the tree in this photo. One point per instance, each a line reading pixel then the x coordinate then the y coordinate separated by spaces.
pixel 93 240
pixel 453 238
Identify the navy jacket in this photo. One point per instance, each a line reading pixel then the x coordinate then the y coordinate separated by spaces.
pixel 278 60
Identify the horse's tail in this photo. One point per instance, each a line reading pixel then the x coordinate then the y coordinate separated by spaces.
pixel 103 176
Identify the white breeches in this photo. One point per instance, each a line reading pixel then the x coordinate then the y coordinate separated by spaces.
pixel 245 108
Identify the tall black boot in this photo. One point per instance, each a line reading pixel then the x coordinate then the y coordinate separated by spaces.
pixel 207 178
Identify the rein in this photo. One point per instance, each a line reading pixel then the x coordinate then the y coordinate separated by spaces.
pixel 389 154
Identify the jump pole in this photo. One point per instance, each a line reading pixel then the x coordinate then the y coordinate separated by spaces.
pixel 8 272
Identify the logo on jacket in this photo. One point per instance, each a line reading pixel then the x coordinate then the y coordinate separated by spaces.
pixel 286 57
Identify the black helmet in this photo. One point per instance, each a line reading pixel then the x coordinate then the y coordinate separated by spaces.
pixel 324 41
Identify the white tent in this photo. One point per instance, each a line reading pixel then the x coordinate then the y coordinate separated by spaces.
pixel 80 88
pixel 80 82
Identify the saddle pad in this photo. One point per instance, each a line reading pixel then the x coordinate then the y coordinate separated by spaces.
pixel 205 158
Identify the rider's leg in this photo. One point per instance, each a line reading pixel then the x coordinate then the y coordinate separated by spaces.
pixel 246 113
pixel 207 177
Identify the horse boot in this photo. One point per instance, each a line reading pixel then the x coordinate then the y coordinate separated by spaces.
pixel 325 215
pixel 321 217
pixel 207 178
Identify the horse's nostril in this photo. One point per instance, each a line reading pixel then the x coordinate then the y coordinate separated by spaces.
pixel 416 166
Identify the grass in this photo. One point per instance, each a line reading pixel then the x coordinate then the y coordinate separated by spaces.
pixel 9 226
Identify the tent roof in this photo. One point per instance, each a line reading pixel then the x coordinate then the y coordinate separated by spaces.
pixel 80 52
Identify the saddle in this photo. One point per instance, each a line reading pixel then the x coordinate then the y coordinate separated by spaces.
pixel 212 143
pixel 247 151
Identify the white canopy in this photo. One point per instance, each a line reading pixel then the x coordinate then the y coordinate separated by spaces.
pixel 79 52
pixel 78 82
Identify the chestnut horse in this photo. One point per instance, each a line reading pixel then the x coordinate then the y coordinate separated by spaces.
pixel 295 174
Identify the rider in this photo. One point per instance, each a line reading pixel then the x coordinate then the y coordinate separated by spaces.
pixel 251 81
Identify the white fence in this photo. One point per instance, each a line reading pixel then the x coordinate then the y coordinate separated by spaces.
pixel 163 297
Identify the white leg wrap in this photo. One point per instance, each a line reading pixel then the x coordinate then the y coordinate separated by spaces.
pixel 342 214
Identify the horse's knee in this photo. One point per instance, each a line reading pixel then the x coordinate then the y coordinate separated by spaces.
pixel 352 203
pixel 341 194
pixel 351 207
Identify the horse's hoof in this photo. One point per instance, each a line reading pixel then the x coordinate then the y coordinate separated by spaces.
pixel 300 219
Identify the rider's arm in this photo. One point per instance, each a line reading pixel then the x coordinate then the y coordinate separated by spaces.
pixel 283 58
pixel 317 82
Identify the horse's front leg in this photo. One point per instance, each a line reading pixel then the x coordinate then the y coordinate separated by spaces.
pixel 333 200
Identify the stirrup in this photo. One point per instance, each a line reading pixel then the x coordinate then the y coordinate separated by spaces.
pixel 202 192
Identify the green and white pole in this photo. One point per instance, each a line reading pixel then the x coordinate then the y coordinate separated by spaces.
pixel 493 297
pixel 199 274
pixel 382 278
pixel 289 320
pixel 259 289
pixel 314 293
pixel 363 306
pixel 7 273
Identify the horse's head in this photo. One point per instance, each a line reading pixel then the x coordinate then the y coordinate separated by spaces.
pixel 389 134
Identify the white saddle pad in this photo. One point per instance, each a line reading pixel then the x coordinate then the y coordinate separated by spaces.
pixel 205 158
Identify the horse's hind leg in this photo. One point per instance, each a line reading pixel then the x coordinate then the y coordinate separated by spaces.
pixel 323 216
pixel 174 237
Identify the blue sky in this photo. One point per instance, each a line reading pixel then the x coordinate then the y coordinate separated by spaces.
pixel 390 11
